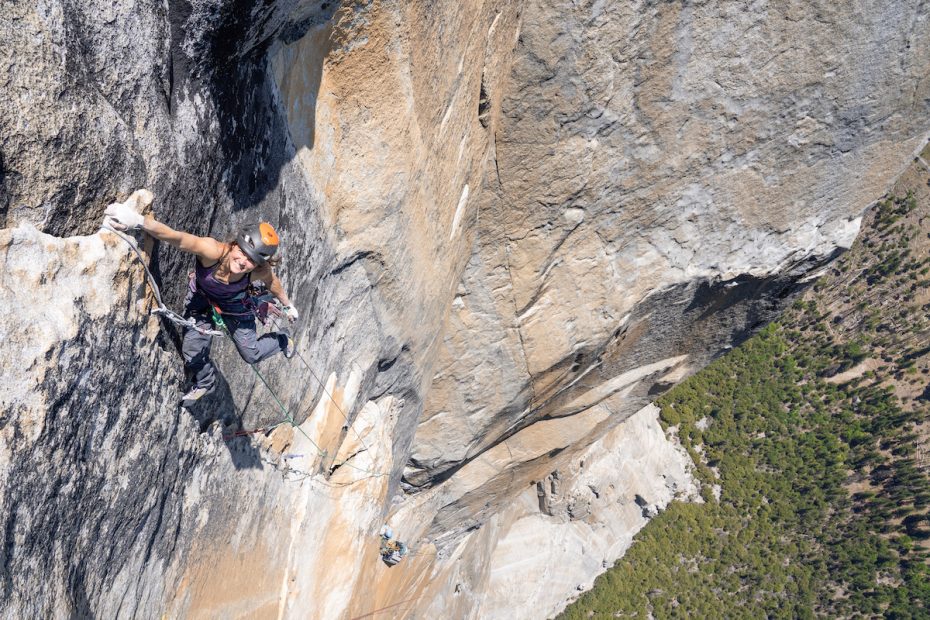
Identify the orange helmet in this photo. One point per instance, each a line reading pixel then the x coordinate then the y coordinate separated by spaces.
pixel 258 241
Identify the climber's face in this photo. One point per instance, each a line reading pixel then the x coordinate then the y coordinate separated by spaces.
pixel 239 262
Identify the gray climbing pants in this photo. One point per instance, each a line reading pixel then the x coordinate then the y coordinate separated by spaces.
pixel 253 349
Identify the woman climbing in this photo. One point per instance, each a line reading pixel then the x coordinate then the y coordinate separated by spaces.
pixel 221 279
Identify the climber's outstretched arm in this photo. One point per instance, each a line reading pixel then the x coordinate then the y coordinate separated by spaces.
pixel 122 216
pixel 206 248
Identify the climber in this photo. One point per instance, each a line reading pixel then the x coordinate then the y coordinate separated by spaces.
pixel 392 551
pixel 221 279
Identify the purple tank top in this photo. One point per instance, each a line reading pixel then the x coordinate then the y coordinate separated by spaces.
pixel 224 295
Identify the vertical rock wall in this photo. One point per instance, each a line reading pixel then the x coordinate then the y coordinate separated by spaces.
pixel 355 128
pixel 532 216
pixel 665 173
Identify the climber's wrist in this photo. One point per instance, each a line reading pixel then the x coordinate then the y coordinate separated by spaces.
pixel 149 223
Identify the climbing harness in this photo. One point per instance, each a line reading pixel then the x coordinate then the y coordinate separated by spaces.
pixel 255 300
pixel 161 310
pixel 392 550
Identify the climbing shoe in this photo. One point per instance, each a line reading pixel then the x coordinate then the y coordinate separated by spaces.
pixel 193 395
pixel 288 346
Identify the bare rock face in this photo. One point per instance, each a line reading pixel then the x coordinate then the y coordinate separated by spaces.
pixel 87 95
pixel 665 175
pixel 507 225
pixel 578 522
pixel 321 117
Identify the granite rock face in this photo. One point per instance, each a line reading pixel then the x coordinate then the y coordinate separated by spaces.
pixel 577 522
pixel 665 172
pixel 508 225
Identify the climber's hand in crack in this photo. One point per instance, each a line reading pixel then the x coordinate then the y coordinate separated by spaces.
pixel 125 215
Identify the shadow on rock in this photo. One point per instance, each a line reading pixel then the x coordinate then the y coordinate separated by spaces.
pixel 220 406
pixel 254 138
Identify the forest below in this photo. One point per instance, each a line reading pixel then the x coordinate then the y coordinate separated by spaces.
pixel 810 444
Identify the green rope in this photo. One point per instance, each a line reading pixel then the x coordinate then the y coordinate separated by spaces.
pixel 218 319
pixel 287 414
pixel 325 391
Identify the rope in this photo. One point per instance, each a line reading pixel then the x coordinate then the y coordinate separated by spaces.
pixel 325 391
pixel 254 431
pixel 218 319
pixel 290 418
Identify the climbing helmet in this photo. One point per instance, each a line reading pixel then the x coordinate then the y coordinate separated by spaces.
pixel 258 241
